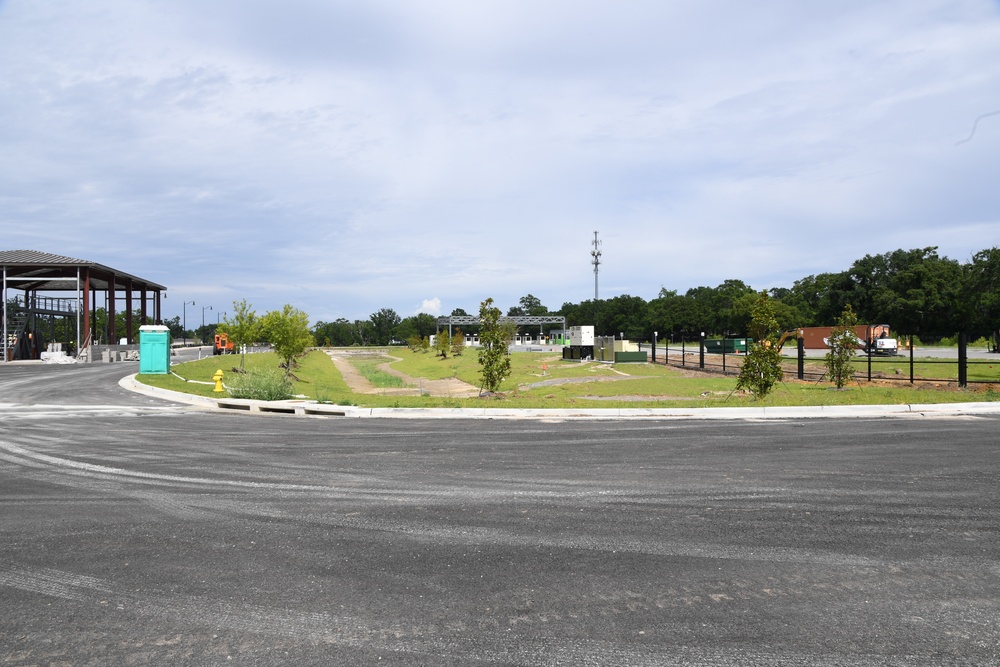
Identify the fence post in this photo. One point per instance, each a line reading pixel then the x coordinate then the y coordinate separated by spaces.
pixel 868 347
pixel 701 351
pixel 684 358
pixel 911 358
pixel 963 360
pixel 654 348
pixel 802 357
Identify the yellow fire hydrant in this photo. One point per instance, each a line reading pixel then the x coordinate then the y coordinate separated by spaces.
pixel 217 378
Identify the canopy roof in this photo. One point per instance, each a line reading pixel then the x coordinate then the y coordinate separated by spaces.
pixel 45 272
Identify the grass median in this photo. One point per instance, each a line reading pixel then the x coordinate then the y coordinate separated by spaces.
pixel 543 380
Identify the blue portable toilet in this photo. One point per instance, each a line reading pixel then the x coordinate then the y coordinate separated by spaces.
pixel 154 349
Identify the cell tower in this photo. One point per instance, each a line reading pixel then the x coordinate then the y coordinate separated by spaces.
pixel 596 261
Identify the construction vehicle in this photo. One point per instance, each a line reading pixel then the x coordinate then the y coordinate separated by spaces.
pixel 223 345
pixel 793 333
pixel 874 336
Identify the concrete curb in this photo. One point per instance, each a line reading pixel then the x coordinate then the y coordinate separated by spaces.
pixel 309 408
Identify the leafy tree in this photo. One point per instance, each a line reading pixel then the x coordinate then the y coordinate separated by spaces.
pixel 339 333
pixel 243 329
pixel 843 342
pixel 532 305
pixel 585 313
pixel 457 343
pixel 364 332
pixel 420 324
pixel 174 324
pixel 493 356
pixel 981 293
pixel 459 312
pixel 442 343
pixel 761 368
pixel 206 333
pixel 673 314
pixel 384 324
pixel 627 315
pixel 914 290
pixel 508 328
pixel 287 331
pixel 426 324
pixel 405 330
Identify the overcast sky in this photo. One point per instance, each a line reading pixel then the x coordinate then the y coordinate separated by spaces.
pixel 424 155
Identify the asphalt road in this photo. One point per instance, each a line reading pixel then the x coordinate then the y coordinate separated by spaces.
pixel 136 531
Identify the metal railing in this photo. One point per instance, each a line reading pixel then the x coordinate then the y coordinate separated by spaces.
pixel 869 367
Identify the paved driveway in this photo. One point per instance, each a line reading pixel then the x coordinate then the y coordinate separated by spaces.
pixel 134 531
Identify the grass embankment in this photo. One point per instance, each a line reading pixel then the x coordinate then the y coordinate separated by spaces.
pixel 543 380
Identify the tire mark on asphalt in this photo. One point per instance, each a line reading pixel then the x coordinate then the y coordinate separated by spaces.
pixel 45 412
pixel 54 583
pixel 435 640
pixel 470 535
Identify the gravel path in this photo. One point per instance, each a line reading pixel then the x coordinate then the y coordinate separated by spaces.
pixel 448 388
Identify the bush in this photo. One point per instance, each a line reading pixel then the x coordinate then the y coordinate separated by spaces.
pixel 761 369
pixel 843 344
pixel 260 384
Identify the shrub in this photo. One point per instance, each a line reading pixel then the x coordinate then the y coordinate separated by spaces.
pixel 494 359
pixel 761 369
pixel 843 343
pixel 260 384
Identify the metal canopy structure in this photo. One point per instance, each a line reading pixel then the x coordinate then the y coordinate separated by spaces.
pixel 537 320
pixel 38 273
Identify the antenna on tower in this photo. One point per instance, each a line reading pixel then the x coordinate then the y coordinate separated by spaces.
pixel 596 261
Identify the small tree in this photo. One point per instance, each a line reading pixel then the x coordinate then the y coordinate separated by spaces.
pixel 287 331
pixel 442 343
pixel 843 342
pixel 508 329
pixel 761 368
pixel 493 356
pixel 243 329
pixel 457 343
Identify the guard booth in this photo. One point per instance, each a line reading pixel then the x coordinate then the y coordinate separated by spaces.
pixel 154 349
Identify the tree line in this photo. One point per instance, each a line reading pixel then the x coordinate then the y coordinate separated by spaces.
pixel 917 292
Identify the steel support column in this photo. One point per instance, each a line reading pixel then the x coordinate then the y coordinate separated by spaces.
pixel 112 330
pixel 87 332
pixel 128 311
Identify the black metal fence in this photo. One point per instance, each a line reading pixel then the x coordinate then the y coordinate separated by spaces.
pixel 963 371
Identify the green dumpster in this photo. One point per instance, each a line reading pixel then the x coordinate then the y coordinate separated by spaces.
pixel 730 345
pixel 154 349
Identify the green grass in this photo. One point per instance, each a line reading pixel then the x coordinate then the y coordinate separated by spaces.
pixel 379 378
pixel 647 386
pixel 980 370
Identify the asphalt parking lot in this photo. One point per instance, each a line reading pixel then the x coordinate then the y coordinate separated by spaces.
pixel 137 531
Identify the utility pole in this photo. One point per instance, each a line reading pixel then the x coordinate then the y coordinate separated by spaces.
pixel 596 261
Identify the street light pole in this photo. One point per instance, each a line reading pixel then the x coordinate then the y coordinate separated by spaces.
pixel 202 330
pixel 184 324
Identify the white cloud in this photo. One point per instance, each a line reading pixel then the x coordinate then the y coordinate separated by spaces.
pixel 347 157
pixel 429 306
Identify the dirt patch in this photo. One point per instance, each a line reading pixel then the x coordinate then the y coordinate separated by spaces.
pixel 447 388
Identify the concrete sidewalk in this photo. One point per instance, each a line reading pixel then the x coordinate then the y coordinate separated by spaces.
pixel 311 408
